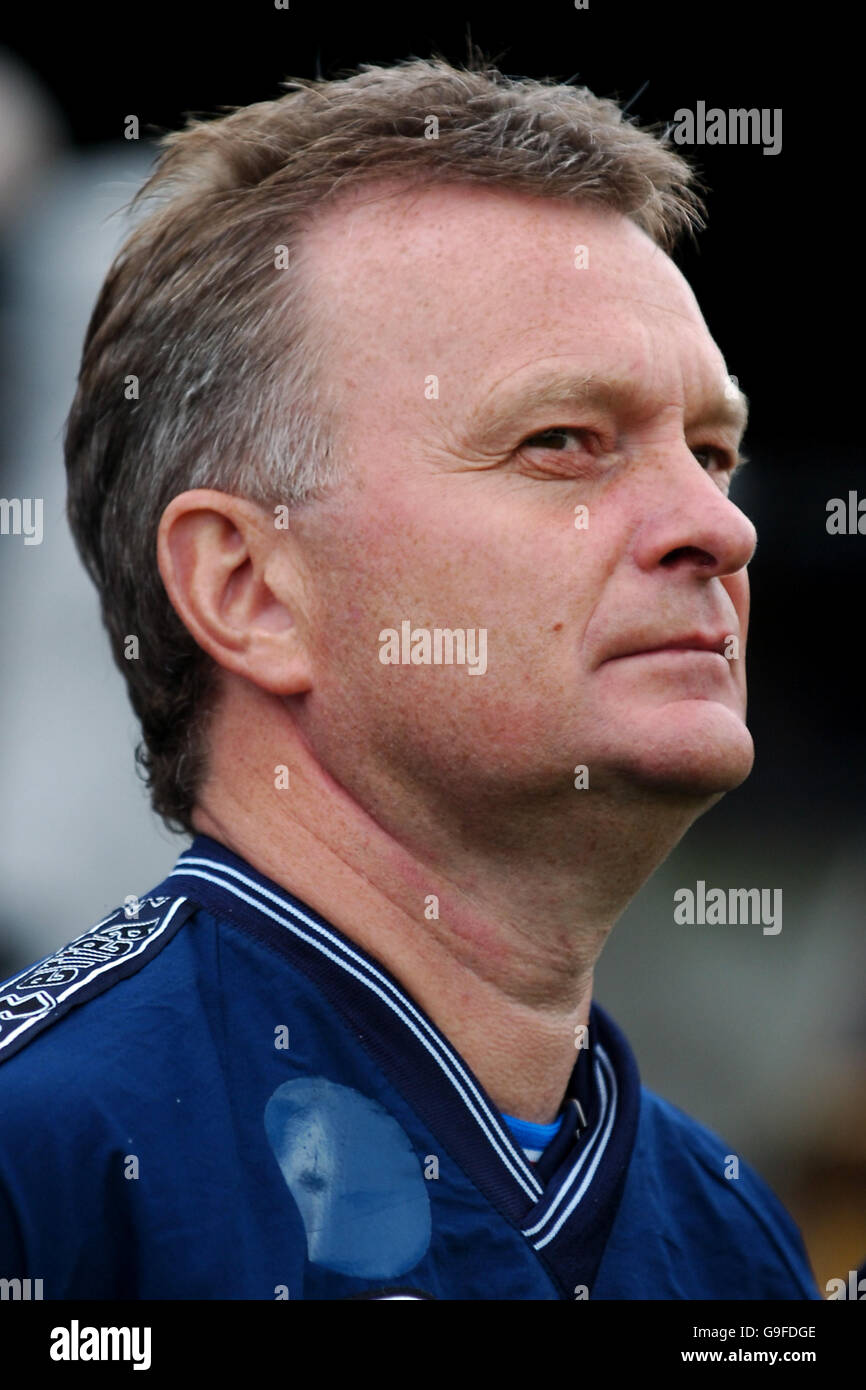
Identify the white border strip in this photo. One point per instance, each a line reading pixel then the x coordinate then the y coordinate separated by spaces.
pixel 92 974
pixel 448 1061
pixel 597 1157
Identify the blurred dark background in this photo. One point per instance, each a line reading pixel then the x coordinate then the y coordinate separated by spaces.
pixel 761 1037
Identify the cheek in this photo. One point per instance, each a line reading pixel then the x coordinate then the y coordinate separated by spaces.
pixel 738 590
pixel 435 555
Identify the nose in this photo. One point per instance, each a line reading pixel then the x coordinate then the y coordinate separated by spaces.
pixel 688 522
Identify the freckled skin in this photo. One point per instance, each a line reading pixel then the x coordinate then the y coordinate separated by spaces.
pixel 416 780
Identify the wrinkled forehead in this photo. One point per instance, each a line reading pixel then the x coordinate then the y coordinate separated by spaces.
pixel 475 282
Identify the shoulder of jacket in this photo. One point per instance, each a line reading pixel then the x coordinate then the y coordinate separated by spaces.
pixel 112 950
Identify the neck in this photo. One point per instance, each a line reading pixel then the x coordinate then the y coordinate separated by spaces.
pixel 497 941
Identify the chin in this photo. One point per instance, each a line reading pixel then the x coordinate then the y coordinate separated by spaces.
pixel 695 747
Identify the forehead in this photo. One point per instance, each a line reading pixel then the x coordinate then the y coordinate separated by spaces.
pixel 477 284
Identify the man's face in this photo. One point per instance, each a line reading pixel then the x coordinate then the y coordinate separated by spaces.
pixel 559 387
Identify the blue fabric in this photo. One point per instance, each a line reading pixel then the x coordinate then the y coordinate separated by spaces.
pixel 530 1135
pixel 224 1097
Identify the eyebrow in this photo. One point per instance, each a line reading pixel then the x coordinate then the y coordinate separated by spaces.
pixel 504 413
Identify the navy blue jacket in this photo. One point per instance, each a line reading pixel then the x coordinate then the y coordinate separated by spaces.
pixel 216 1094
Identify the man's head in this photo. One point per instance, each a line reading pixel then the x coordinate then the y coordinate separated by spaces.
pixel 437 384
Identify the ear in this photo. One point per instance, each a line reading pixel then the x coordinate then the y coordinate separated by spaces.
pixel 238 585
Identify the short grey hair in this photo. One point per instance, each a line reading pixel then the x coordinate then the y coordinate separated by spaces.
pixel 230 355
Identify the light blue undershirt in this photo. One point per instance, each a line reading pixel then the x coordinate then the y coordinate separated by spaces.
pixel 533 1138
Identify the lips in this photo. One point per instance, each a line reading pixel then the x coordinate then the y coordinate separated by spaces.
pixel 691 642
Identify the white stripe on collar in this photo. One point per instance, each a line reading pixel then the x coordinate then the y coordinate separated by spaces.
pixel 594 1148
pixel 342 954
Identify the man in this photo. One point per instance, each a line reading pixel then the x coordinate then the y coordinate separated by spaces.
pixel 400 457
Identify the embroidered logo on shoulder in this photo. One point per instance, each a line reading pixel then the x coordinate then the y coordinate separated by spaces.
pixel 112 950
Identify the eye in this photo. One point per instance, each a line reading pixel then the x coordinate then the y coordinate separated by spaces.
pixel 554 438
pixel 566 452
pixel 724 463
